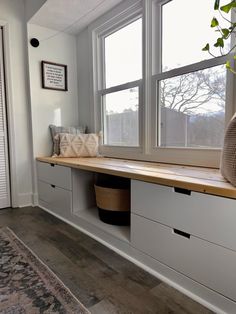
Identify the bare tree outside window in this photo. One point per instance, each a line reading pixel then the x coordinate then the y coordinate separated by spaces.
pixel 192 109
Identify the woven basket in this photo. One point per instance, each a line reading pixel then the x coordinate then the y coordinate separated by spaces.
pixel 112 199
pixel 113 205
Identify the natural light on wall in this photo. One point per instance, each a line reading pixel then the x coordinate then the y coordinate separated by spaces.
pixel 57 116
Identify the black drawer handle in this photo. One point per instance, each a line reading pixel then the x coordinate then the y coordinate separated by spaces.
pixel 182 191
pixel 52 165
pixel 182 233
pixel 53 186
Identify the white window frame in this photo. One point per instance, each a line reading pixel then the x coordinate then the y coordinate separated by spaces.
pixel 181 155
pixel 118 88
pixel 121 15
pixel 125 14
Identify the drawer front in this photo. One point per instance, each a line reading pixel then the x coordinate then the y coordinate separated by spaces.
pixel 209 217
pixel 57 199
pixel 207 263
pixel 54 174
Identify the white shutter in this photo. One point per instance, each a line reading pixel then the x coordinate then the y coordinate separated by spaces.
pixel 4 166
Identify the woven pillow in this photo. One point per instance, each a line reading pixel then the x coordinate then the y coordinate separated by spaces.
pixel 228 157
pixel 55 130
pixel 80 145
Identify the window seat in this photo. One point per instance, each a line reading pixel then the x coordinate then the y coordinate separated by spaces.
pixel 199 179
pixel 186 239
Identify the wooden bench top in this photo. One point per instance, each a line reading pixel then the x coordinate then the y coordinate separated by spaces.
pixel 199 179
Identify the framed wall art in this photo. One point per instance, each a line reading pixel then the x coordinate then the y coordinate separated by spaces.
pixel 54 76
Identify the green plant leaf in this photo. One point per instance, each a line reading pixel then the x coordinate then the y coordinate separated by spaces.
pixel 217 4
pixel 219 42
pixel 226 8
pixel 214 22
pixel 227 64
pixel 234 57
pixel 206 48
pixel 225 32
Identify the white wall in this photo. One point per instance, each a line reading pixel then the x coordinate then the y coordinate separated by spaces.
pixel 84 88
pixel 31 7
pixel 50 106
pixel 12 16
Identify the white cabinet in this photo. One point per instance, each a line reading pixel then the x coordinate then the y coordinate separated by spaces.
pixel 189 239
pixel 55 199
pixel 53 174
pixel 55 189
pixel 192 234
pixel 209 264
pixel 69 194
pixel 209 217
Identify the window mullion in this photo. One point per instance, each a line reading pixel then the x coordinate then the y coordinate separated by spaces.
pixel 145 112
pixel 156 49
pixel 118 88
pixel 191 68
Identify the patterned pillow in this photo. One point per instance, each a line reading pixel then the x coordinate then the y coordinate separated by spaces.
pixel 55 130
pixel 228 157
pixel 80 145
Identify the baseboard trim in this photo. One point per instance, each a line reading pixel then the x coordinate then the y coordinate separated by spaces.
pixel 35 200
pixel 25 199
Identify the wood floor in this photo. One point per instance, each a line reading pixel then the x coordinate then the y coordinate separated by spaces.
pixel 102 280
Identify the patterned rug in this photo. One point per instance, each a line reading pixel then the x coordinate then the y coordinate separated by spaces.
pixel 27 285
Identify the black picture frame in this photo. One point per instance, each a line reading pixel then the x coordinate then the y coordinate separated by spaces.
pixel 54 76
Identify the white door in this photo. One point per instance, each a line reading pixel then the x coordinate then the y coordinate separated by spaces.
pixel 4 164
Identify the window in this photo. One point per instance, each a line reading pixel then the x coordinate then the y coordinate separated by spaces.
pixel 185 30
pixel 190 85
pixel 121 84
pixel 121 119
pixel 192 109
pixel 123 55
pixel 177 112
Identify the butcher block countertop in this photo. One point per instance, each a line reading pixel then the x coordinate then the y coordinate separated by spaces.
pixel 199 179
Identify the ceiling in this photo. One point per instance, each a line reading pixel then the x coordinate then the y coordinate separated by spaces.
pixel 71 16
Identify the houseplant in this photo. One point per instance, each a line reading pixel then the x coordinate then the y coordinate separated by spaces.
pixel 225 14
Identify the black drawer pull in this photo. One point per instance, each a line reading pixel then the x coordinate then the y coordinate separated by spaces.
pixel 53 186
pixel 182 233
pixel 182 191
pixel 52 165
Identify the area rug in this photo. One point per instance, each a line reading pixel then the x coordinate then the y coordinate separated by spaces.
pixel 27 285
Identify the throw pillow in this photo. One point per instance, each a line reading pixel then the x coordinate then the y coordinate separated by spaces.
pixel 80 145
pixel 55 130
pixel 228 157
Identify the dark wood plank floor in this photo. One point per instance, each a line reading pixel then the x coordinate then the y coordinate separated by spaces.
pixel 102 280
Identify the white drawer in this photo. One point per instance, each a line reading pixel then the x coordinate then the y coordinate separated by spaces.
pixel 207 263
pixel 54 174
pixel 209 217
pixel 57 199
